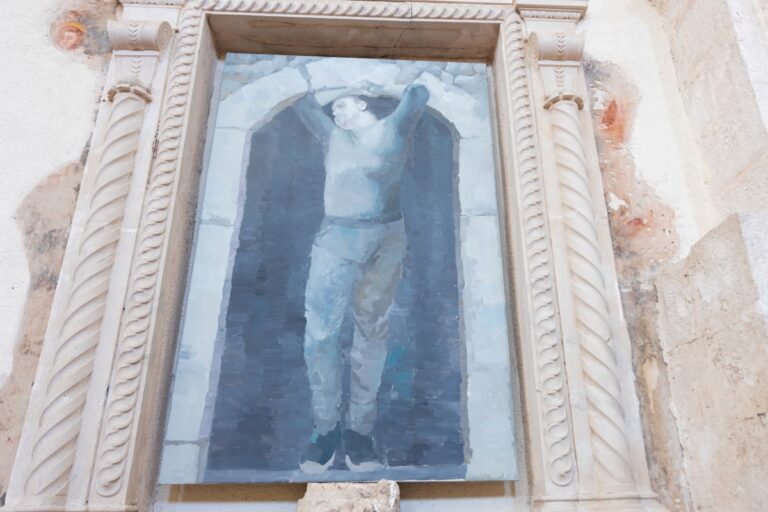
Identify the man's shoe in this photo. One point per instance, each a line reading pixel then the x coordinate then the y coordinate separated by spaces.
pixel 320 452
pixel 361 454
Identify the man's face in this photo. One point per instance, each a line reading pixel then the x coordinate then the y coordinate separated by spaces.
pixel 345 110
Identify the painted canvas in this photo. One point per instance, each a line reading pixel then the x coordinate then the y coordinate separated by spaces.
pixel 345 315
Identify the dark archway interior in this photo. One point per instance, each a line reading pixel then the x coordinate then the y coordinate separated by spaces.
pixel 262 416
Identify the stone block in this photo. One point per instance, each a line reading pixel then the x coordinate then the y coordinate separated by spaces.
pixel 382 496
pixel 274 92
pixel 179 463
pixel 330 73
pixel 698 28
pixel 721 105
pixel 225 168
pixel 713 332
pixel 477 177
pixel 716 70
pixel 672 10
pixel 468 115
pixel 460 69
pixel 199 331
pixel 747 191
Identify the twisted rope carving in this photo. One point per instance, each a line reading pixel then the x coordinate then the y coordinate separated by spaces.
pixel 360 9
pixel 132 341
pixel 448 11
pixel 65 391
pixel 344 8
pixel 557 433
pixel 598 359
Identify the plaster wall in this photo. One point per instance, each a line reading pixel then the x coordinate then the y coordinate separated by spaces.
pixel 659 206
pixel 49 104
pixel 51 82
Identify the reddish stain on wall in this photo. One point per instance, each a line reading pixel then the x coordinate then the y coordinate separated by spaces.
pixel 69 31
pixel 641 225
pixel 80 29
pixel 613 122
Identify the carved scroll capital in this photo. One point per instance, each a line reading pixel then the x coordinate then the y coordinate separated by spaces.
pixel 137 46
pixel 139 35
pixel 559 56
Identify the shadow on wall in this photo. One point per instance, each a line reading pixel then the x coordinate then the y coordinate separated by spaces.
pixel 44 218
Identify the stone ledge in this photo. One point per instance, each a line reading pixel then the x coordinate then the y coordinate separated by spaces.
pixel 382 496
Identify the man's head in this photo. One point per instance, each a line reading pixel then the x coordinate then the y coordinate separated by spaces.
pixel 351 112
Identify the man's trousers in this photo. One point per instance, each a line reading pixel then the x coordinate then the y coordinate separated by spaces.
pixel 359 264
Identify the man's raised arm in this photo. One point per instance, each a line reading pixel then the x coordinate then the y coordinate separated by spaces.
pixel 412 105
pixel 311 114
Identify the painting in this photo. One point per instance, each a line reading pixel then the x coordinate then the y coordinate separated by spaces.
pixel 345 315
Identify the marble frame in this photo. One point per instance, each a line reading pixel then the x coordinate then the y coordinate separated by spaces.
pixel 94 423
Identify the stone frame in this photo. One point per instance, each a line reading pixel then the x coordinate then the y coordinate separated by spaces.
pixel 94 424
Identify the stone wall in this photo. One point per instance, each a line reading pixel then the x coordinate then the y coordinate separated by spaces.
pixel 713 330
pixel 719 48
pixel 705 314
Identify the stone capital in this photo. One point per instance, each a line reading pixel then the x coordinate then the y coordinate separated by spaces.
pixel 136 48
pixel 554 10
pixel 558 55
pixel 139 35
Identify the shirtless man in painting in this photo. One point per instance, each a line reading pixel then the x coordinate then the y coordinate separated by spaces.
pixel 356 261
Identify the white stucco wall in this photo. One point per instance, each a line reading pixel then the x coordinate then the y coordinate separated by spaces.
pixel 47 114
pixel 630 35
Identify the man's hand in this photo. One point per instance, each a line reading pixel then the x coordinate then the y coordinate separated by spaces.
pixel 418 91
pixel 368 88
pixel 359 88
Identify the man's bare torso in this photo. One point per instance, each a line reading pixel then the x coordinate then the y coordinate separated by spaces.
pixel 364 165
pixel 363 170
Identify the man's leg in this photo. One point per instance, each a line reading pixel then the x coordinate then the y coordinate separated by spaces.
pixel 374 296
pixel 326 300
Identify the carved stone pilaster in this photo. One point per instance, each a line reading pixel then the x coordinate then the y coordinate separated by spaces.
pixel 612 470
pixel 118 429
pixel 551 433
pixel 559 55
pixel 49 445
